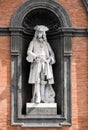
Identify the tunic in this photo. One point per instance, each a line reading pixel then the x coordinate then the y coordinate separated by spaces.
pixel 43 50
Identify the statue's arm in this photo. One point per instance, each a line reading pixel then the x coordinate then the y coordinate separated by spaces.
pixel 30 54
pixel 51 53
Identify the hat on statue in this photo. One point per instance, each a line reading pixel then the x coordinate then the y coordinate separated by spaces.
pixel 41 28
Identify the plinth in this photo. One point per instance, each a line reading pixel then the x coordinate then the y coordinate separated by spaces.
pixel 46 109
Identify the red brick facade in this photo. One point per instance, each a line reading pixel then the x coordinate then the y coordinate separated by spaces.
pixel 79 18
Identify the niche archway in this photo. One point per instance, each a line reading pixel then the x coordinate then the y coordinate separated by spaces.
pixel 54 16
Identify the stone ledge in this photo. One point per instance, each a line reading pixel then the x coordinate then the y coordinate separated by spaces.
pixel 41 109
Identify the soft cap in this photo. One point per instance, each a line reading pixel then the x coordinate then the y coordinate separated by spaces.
pixel 41 28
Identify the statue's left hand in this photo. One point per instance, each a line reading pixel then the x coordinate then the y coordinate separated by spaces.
pixel 50 60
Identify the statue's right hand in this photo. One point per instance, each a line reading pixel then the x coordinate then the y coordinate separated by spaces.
pixel 37 59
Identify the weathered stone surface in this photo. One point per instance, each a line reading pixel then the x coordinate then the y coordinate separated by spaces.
pixel 41 57
pixel 41 109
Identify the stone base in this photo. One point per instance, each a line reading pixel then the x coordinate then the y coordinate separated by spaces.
pixel 34 109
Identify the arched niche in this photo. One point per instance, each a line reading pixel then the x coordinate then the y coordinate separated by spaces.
pixel 54 16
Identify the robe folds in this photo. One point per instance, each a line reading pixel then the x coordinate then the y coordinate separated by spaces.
pixel 43 50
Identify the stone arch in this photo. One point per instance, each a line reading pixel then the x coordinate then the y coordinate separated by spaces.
pixel 19 34
pixel 51 5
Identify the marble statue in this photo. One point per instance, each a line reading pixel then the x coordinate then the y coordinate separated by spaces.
pixel 41 57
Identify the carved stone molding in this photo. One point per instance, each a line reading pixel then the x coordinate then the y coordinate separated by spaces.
pixel 61 31
pixel 60 43
pixel 86 4
pixel 28 6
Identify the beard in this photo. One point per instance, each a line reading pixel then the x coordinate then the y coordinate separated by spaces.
pixel 41 40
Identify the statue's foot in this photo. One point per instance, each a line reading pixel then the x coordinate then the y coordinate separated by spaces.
pixel 37 102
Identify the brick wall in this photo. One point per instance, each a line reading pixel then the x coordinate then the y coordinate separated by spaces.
pixel 80 83
pixel 76 11
pixel 78 17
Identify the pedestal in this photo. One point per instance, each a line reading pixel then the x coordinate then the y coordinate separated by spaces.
pixel 41 109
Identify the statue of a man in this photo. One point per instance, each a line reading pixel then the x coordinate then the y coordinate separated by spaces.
pixel 41 56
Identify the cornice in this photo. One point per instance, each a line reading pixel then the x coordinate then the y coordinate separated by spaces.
pixel 62 31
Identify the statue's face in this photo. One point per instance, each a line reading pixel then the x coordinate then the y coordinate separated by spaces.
pixel 40 36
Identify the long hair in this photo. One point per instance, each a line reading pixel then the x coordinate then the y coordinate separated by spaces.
pixel 36 36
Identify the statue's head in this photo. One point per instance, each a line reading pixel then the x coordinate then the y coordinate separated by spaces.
pixel 40 33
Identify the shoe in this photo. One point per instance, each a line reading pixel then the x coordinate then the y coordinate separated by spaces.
pixel 37 102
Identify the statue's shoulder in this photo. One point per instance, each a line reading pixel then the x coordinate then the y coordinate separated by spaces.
pixel 47 43
pixel 32 42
